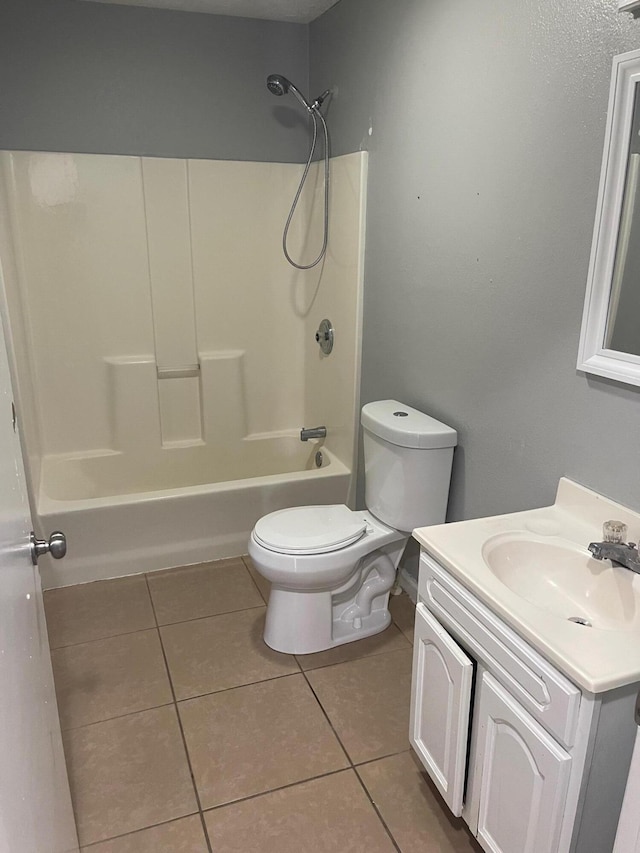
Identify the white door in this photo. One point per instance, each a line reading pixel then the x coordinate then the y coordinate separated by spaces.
pixel 440 703
pixel 35 804
pixel 520 776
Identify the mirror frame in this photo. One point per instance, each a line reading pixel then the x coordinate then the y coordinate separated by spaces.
pixel 593 356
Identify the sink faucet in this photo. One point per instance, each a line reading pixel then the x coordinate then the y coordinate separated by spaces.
pixel 315 432
pixel 621 553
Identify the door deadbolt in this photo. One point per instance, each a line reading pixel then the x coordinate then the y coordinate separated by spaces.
pixel 56 546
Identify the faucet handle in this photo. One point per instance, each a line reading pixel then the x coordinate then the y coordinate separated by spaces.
pixel 614 531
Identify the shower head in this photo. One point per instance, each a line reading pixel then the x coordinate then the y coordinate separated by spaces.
pixel 278 84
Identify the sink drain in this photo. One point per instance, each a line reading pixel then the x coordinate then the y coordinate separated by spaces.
pixel 580 621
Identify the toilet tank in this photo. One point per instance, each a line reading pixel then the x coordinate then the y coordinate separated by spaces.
pixel 408 458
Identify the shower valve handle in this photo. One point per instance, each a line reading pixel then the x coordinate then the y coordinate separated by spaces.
pixel 56 546
pixel 324 336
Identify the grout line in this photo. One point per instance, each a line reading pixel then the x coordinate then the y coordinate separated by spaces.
pixel 236 687
pixel 351 660
pixel 153 627
pixel 136 831
pixel 382 757
pixel 118 717
pixel 328 719
pixel 279 788
pixel 250 573
pixel 182 734
pixel 213 615
pixel 151 601
pixel 205 831
pixel 377 810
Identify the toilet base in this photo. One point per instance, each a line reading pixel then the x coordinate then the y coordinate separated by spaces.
pixel 345 632
pixel 302 622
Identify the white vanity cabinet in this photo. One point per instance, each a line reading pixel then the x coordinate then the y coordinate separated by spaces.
pixel 507 739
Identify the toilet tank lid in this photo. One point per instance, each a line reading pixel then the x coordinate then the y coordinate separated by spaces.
pixel 406 427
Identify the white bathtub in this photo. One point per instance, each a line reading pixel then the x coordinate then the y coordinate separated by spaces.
pixel 124 516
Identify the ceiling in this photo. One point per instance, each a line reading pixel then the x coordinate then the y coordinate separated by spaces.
pixel 297 11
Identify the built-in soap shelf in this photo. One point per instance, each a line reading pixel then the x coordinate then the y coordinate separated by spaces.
pixel 183 372
pixel 204 401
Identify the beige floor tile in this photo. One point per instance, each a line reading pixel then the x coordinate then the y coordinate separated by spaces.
pixel 262 583
pixel 403 613
pixel 203 590
pixel 128 774
pixel 92 611
pixel 323 815
pixel 387 641
pixel 110 678
pixel 367 702
pixel 180 836
pixel 412 809
pixel 257 738
pixel 220 652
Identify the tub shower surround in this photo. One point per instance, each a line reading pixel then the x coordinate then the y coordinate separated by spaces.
pixel 167 350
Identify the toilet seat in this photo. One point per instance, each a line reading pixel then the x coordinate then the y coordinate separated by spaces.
pixel 310 529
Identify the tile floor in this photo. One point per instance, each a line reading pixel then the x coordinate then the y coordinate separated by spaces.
pixel 184 733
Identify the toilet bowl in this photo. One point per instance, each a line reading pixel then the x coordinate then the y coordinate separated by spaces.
pixel 329 590
pixel 331 568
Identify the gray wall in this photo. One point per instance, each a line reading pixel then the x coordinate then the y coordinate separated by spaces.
pixel 123 80
pixel 487 124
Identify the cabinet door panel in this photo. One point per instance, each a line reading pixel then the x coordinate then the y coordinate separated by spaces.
pixel 521 776
pixel 440 703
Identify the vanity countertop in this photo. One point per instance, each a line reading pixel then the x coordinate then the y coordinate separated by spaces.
pixel 597 658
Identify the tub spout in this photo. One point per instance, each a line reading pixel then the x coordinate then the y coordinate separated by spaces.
pixel 314 432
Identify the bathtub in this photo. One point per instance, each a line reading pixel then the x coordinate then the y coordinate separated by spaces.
pixel 124 515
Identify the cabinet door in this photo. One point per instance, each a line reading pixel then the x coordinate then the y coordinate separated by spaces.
pixel 520 776
pixel 440 702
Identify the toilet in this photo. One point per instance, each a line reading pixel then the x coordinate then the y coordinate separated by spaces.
pixel 331 568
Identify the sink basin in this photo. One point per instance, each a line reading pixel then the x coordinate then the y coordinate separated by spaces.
pixel 566 581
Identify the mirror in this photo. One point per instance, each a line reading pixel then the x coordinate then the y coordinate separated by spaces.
pixel 610 337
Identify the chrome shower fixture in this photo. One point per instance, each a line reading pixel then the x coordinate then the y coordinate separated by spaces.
pixel 279 85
